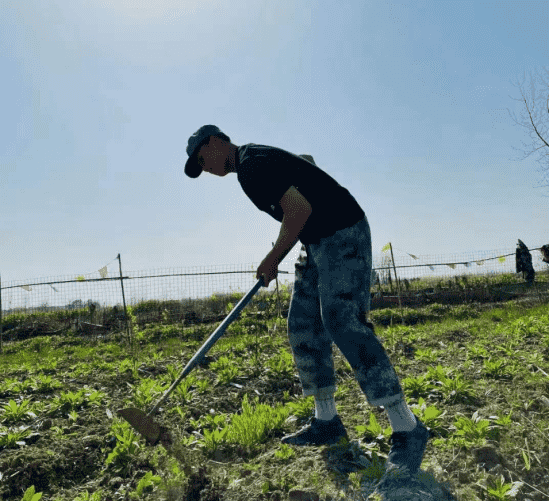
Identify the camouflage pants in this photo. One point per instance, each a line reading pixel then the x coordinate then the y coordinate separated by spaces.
pixel 330 303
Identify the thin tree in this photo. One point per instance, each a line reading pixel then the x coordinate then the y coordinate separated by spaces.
pixel 537 125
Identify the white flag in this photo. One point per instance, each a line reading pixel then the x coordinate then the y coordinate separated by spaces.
pixel 26 287
pixel 103 272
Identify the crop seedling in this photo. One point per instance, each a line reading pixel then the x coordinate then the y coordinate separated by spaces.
pixel 11 440
pixel 13 413
pixel 126 448
pixel 45 384
pixel 374 429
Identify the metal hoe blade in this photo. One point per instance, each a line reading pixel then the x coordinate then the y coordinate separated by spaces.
pixel 144 423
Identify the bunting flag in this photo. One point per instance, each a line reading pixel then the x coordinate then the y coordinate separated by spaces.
pixel 432 268
pixel 26 287
pixel 501 259
pixel 386 247
pixel 103 272
pixel 453 266
pixel 479 263
pixel 467 265
pixel 414 257
pixel 53 288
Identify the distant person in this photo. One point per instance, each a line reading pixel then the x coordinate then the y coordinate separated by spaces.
pixel 331 296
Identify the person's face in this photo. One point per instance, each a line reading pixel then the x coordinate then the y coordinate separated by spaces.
pixel 213 157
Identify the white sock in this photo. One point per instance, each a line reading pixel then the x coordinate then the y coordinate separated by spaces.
pixel 400 416
pixel 325 410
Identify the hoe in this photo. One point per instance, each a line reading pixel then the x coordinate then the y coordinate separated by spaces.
pixel 144 423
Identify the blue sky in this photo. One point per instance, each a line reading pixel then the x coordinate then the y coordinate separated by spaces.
pixel 406 104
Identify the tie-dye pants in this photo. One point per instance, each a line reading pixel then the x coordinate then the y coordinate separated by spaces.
pixel 330 303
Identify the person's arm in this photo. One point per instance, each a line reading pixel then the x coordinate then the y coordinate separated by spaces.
pixel 296 211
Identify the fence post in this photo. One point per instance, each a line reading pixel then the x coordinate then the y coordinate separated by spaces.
pixel 1 345
pixel 124 302
pixel 396 280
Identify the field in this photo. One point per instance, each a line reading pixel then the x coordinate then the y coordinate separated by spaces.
pixel 475 372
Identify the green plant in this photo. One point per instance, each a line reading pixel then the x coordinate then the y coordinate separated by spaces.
pixel 212 439
pixel 427 355
pixel 10 440
pixel 284 452
pixel 429 415
pixel 126 447
pixel 86 496
pixel 472 431
pixel 301 408
pixel 416 386
pixel 227 375
pixel 251 427
pixel 457 389
pixel 283 364
pixel 128 365
pixel 500 489
pixel 146 484
pixel 13 412
pixel 494 367
pixel 146 391
pixel 69 400
pixel 374 429
pixel 45 384
pixel 30 495
pixel 95 398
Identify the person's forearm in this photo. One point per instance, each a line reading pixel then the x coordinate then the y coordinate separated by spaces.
pixel 291 228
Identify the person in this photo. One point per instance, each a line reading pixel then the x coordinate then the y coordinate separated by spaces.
pixel 331 296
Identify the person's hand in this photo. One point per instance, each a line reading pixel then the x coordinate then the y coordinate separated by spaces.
pixel 267 269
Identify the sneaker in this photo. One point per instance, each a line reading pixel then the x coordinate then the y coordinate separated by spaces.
pixel 408 448
pixel 318 432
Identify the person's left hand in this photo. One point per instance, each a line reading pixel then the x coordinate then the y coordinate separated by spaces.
pixel 268 269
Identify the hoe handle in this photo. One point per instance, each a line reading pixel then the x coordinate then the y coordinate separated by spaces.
pixel 209 343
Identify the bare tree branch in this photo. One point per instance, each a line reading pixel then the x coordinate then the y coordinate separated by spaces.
pixel 534 125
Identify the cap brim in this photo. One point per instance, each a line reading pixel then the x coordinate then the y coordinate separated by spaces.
pixel 192 168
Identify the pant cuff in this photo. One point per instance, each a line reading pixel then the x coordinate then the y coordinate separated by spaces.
pixel 386 400
pixel 321 393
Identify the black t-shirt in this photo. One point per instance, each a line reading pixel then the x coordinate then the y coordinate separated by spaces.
pixel 266 173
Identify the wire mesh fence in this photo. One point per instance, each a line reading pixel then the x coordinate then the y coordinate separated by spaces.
pixel 66 293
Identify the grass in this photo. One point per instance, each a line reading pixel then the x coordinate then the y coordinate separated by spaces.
pixel 476 374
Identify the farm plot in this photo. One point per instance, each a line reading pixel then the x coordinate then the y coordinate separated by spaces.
pixel 477 375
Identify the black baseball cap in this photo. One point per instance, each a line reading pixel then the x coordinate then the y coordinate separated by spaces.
pixel 192 167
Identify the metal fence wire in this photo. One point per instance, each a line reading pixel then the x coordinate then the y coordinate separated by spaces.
pixel 103 288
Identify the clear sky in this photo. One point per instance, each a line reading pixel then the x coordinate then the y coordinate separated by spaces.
pixel 405 104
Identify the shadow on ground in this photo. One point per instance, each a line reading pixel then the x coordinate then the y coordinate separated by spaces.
pixel 392 486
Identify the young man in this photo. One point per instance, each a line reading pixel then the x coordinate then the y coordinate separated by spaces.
pixel 331 296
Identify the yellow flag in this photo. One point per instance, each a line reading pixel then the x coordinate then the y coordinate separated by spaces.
pixel 386 247
pixel 103 272
pixel 501 259
pixel 479 263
